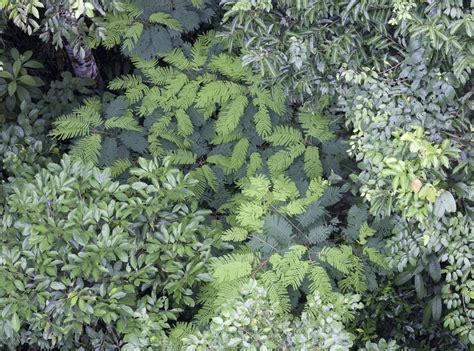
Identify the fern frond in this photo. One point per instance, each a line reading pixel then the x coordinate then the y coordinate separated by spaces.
pixel 284 188
pixel 278 99
pixel 315 125
pixel 167 20
pixel 365 231
pixel 173 87
pixel 161 75
pixel 125 82
pixel 132 35
pixel 87 149
pixel 222 162
pixel 263 122
pixel 283 159
pixel 320 282
pixel 150 102
pixel 230 66
pixel 134 94
pixel 230 116
pixel 200 51
pixel 79 122
pixel 337 257
pixel 187 95
pixel 312 164
pixel 126 122
pixel 376 257
pixel 218 92
pixel 181 157
pixel 249 215
pixel 290 269
pixel 295 207
pixel 262 96
pixel 225 139
pixel 277 292
pixel 239 154
pixel 316 189
pixel 185 126
pixel 356 279
pixel 231 266
pixel 285 136
pixel 119 167
pixel 236 161
pixel 157 130
pixel 255 162
pixel 145 66
pixel 207 175
pixel 235 234
pixel 257 187
pixel 177 59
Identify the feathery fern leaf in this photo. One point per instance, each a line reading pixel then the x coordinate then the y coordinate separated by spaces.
pixel 312 164
pixel 167 20
pixel 87 149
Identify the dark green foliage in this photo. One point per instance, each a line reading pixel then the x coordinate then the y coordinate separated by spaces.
pixel 410 147
pixel 86 260
pixel 304 43
pixel 206 110
pixel 152 29
pixel 24 146
pixel 16 82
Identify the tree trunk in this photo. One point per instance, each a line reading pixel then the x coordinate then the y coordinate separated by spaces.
pixel 85 66
pixel 82 60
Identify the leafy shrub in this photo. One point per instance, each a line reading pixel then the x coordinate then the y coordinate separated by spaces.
pixel 304 43
pixel 24 145
pixel 16 84
pixel 412 150
pixel 209 113
pixel 88 261
pixel 250 321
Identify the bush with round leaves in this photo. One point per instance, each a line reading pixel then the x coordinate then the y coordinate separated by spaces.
pixel 89 263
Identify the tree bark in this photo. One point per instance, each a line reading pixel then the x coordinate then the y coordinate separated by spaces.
pixel 86 66
pixel 82 59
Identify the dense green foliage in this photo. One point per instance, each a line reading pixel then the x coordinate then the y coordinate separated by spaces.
pixel 250 322
pixel 242 175
pixel 82 251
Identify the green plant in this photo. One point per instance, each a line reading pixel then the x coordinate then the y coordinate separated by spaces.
pixel 151 30
pixel 293 246
pixel 208 111
pixel 24 146
pixel 16 84
pixel 411 160
pixel 250 321
pixel 88 261
pixel 303 43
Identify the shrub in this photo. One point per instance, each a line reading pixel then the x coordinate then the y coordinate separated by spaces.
pixel 250 322
pixel 89 261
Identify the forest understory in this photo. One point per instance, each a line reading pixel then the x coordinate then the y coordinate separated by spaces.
pixel 236 175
